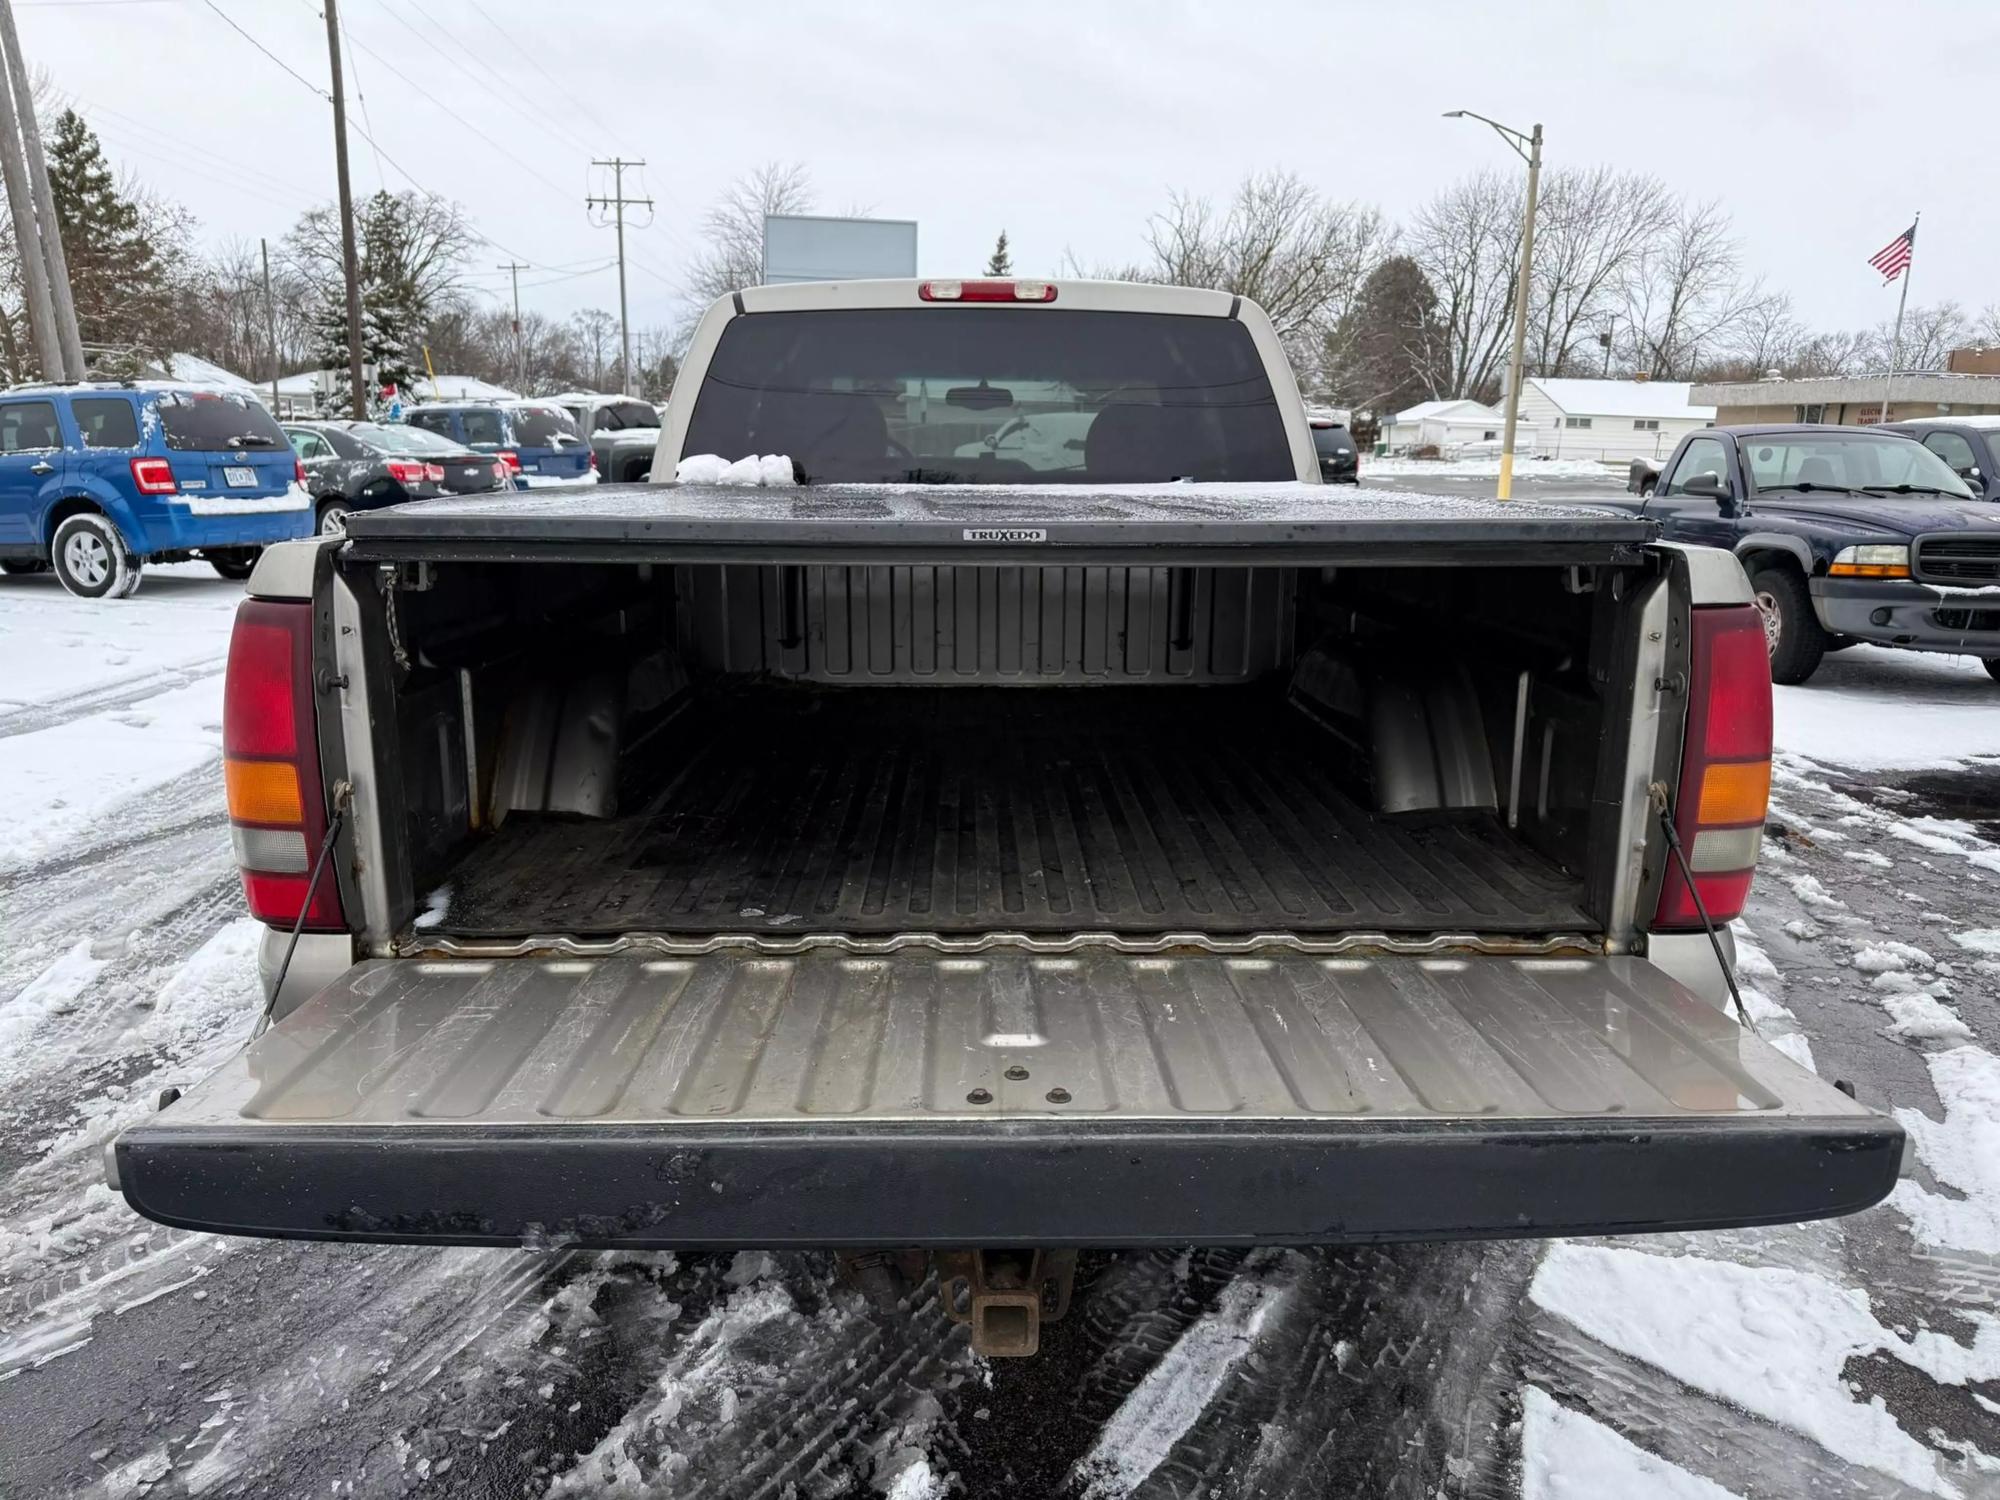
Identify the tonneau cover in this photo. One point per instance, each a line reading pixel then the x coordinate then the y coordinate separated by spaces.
pixel 997 523
pixel 1003 1096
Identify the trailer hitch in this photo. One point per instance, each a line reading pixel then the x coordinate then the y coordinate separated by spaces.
pixel 1005 1295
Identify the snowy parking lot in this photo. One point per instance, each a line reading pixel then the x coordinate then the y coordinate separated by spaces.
pixel 1857 1357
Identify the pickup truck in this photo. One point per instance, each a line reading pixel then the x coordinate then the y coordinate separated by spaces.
pixel 1848 534
pixel 919 860
pixel 623 432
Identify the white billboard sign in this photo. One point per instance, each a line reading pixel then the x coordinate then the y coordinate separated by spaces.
pixel 800 247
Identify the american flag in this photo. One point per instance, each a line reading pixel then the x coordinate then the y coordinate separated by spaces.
pixel 1893 259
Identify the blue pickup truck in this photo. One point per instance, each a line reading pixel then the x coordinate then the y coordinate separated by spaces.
pixel 97 480
pixel 1849 534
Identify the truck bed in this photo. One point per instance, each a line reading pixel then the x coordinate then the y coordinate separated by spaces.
pixel 1293 522
pixel 883 810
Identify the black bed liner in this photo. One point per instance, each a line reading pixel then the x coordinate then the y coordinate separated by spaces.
pixel 882 810
pixel 995 523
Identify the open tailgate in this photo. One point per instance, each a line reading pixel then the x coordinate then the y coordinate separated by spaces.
pixel 919 1097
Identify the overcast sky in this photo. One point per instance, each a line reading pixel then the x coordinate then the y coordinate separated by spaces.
pixel 1822 125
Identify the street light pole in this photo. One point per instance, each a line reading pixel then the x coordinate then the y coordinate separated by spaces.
pixel 1529 148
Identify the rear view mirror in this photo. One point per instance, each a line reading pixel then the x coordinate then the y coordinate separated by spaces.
pixel 981 397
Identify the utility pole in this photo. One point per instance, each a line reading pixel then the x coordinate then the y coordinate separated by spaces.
pixel 1529 148
pixel 514 268
pixel 64 306
pixel 350 261
pixel 34 273
pixel 618 203
pixel 270 322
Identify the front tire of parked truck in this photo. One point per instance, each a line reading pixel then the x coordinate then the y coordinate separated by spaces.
pixel 1796 639
pixel 91 559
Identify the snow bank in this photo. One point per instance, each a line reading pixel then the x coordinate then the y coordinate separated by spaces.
pixel 1567 1456
pixel 1873 709
pixel 54 648
pixel 1962 1151
pixel 1770 1340
pixel 63 782
pixel 772 469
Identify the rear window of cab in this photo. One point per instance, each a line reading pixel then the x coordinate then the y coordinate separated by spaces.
pixel 214 424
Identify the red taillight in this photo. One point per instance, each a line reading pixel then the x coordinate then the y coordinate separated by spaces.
pixel 986 291
pixel 593 458
pixel 434 473
pixel 299 472
pixel 153 476
pixel 271 773
pixel 510 461
pixel 406 473
pixel 1725 783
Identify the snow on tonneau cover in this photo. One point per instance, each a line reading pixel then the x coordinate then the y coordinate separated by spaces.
pixel 721 869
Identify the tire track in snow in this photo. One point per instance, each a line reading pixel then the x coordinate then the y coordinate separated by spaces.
pixel 1689 1428
pixel 123 693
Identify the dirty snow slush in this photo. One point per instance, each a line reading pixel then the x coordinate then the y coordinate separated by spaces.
pixel 1857 1357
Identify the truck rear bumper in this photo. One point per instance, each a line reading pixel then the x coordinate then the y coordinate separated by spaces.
pixel 1007 1183
pixel 913 1098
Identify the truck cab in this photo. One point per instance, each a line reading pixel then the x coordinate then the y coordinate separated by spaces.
pixel 1847 534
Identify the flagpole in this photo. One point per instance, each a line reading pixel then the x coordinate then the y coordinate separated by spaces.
pixel 1896 338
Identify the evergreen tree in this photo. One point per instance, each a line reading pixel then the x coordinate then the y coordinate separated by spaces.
pixel 1000 263
pixel 116 274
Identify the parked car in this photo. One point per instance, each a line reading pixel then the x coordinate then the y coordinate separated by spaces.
pixel 622 431
pixel 98 480
pixel 1098 862
pixel 537 440
pixel 1339 463
pixel 1969 444
pixel 354 466
pixel 1848 534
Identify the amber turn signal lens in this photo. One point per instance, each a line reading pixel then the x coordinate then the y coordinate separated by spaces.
pixel 1735 792
pixel 263 791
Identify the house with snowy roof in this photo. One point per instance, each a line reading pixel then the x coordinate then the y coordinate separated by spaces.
pixel 1443 425
pixel 1610 419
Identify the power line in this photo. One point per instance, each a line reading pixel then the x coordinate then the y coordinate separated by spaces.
pixel 265 50
pixel 534 62
pixel 467 124
pixel 536 117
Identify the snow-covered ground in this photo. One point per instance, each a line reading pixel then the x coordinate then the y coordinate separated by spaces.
pixel 1489 468
pixel 1856 1357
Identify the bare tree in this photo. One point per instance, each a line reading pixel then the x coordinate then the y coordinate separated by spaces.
pixel 1297 254
pixel 1929 335
pixel 733 229
pixel 1987 330
pixel 1688 298
pixel 1467 242
pixel 1592 227
pixel 595 330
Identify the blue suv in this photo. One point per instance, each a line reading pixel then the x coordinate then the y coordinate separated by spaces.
pixel 536 440
pixel 96 480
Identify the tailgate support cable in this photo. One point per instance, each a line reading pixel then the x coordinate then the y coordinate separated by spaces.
pixel 1659 798
pixel 343 792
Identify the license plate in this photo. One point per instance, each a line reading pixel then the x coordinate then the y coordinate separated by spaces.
pixel 240 477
